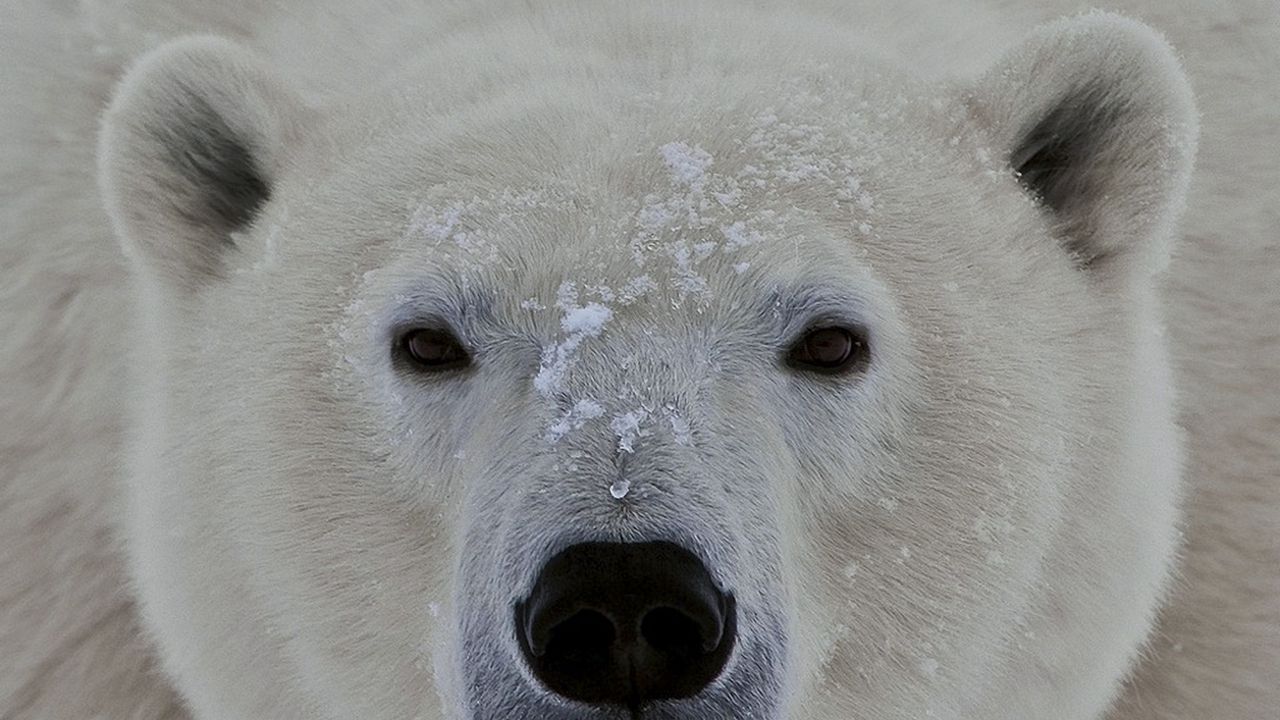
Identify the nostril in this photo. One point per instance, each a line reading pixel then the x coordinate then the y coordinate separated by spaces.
pixel 582 639
pixel 670 631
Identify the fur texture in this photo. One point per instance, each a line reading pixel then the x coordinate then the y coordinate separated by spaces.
pixel 1052 494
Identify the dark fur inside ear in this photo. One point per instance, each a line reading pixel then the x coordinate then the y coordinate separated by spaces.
pixel 191 151
pixel 1061 160
pixel 1095 117
pixel 226 186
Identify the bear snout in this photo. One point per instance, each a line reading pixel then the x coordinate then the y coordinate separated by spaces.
pixel 624 624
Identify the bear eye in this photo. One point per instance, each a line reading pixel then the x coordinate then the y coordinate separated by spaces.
pixel 434 350
pixel 830 350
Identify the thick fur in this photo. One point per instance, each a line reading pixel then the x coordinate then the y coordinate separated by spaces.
pixel 1052 495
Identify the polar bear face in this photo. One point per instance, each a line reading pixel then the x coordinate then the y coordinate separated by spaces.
pixel 864 380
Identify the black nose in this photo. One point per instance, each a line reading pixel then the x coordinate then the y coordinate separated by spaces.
pixel 623 623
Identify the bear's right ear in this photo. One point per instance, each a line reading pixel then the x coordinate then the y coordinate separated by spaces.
pixel 190 151
pixel 1095 117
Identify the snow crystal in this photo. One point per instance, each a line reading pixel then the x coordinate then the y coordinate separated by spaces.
pixel 589 409
pixel 689 281
pixel 688 164
pixel 566 295
pixel 627 427
pixel 636 288
pixel 739 235
pixel 620 488
pixel 655 215
pixel 681 430
pixel 928 667
pixel 728 198
pixel 555 363
pixel 603 292
pixel 741 267
pixel 588 320
pixel 432 224
pixel 991 168
pixel 532 304
pixel 852 188
pixel 574 419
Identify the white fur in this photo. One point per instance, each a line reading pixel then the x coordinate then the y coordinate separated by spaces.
pixel 211 465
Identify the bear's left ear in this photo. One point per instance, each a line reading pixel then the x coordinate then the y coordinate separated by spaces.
pixel 1095 116
pixel 190 152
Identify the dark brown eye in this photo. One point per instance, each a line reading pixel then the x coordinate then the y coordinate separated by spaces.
pixel 434 350
pixel 830 350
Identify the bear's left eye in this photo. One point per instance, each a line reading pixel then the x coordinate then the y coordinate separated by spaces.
pixel 830 350
pixel 434 350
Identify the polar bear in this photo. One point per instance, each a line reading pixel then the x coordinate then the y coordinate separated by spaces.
pixel 805 361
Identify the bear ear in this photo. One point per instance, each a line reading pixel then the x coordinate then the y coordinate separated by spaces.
pixel 1095 117
pixel 190 151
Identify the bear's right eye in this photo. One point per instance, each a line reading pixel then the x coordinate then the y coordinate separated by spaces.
pixel 830 350
pixel 434 350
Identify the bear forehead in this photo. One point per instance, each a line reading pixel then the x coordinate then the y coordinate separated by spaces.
pixel 789 184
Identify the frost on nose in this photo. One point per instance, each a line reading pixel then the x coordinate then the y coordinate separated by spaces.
pixel 634 415
pixel 578 323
